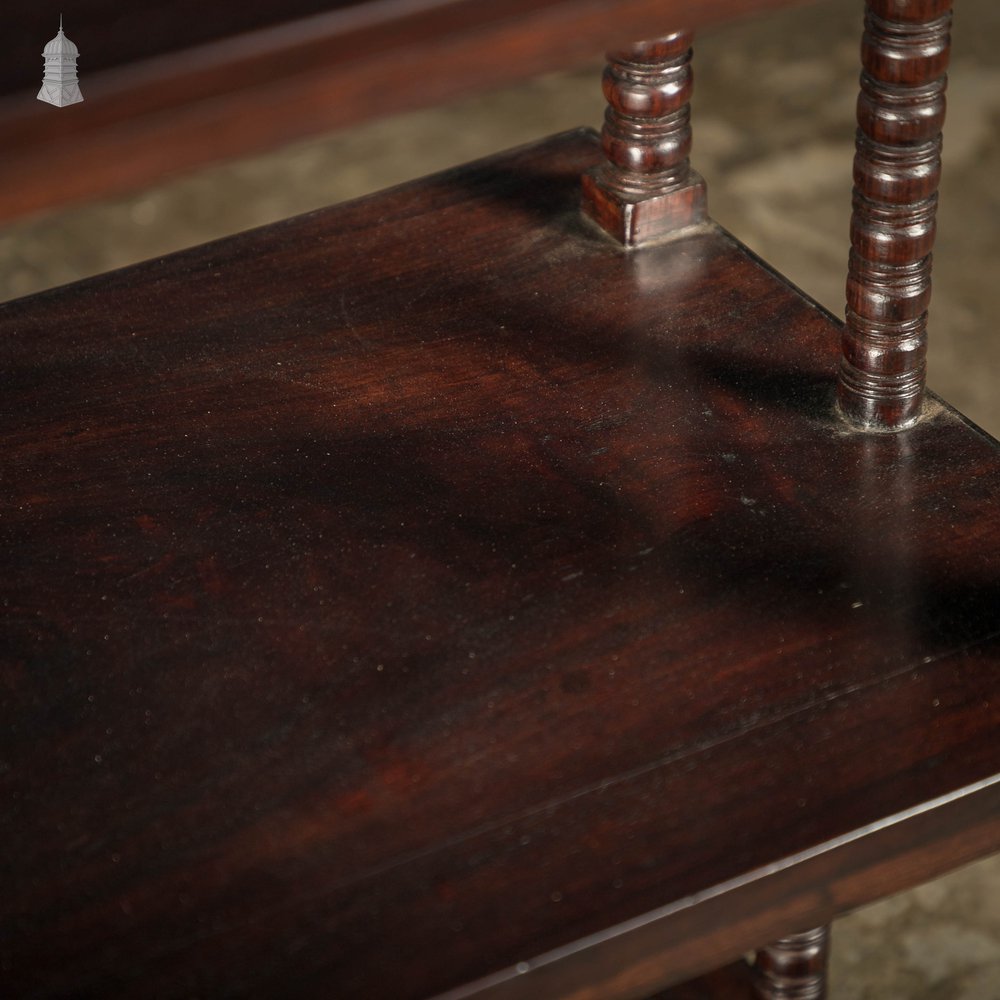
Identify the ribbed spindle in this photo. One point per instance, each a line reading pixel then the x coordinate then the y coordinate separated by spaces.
pixel 793 968
pixel 897 168
pixel 646 188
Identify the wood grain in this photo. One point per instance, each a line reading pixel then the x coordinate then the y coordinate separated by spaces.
pixel 425 597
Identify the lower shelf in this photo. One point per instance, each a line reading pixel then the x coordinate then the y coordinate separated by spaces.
pixel 425 596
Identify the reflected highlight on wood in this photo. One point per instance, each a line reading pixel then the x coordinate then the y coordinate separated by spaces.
pixel 896 173
pixel 646 189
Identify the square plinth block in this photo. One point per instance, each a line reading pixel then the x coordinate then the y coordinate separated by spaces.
pixel 635 218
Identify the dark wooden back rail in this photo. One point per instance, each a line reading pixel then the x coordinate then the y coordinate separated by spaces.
pixel 235 80
pixel 437 596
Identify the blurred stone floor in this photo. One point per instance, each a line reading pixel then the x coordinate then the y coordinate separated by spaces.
pixel 774 138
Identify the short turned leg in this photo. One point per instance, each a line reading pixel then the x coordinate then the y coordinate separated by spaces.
pixel 646 189
pixel 896 173
pixel 793 968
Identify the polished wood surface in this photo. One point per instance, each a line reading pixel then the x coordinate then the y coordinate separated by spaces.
pixel 646 189
pixel 173 91
pixel 897 169
pixel 425 596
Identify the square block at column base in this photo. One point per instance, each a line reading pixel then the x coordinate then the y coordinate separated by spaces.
pixel 641 217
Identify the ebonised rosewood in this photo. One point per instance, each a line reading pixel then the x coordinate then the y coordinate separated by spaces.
pixel 896 173
pixel 794 968
pixel 646 188
pixel 426 597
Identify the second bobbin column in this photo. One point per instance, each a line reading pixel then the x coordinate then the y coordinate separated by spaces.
pixel 646 188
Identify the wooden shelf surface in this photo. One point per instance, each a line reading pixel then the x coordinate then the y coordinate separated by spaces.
pixel 424 596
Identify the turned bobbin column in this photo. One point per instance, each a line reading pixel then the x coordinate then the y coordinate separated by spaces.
pixel 896 172
pixel 646 188
pixel 793 968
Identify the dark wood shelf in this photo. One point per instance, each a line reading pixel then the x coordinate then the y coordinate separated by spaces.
pixel 425 591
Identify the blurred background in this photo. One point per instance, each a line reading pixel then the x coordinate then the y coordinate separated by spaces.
pixel 774 126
